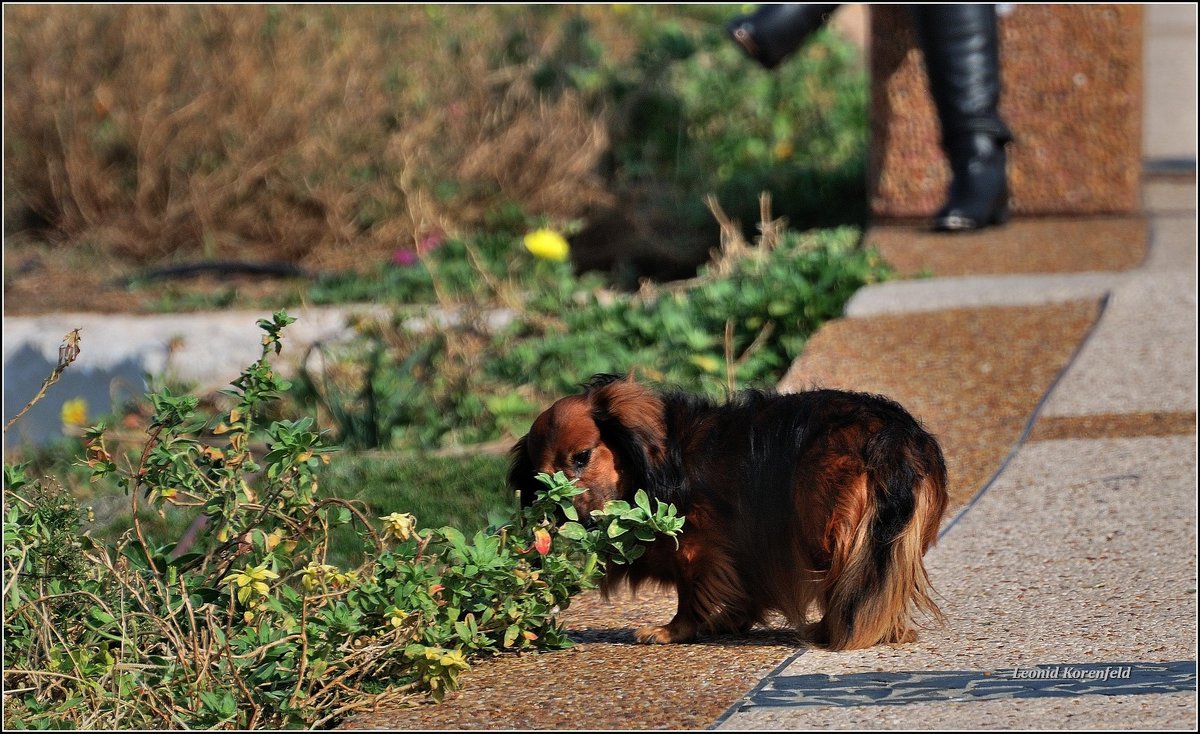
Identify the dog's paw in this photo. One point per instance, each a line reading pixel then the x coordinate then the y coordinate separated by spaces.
pixel 654 635
pixel 665 635
pixel 902 637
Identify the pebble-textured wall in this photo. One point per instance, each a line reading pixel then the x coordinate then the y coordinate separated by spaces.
pixel 1071 79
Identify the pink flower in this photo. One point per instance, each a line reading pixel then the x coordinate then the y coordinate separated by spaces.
pixel 405 258
pixel 431 240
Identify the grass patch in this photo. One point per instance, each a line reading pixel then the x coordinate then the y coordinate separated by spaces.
pixel 466 492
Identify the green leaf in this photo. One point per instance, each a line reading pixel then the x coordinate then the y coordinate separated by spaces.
pixel 572 531
pixel 101 616
pixel 642 500
pixel 454 536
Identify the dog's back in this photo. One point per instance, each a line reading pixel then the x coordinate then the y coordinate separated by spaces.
pixel 830 497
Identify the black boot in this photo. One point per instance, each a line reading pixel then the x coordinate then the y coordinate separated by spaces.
pixel 772 32
pixel 979 187
pixel 961 49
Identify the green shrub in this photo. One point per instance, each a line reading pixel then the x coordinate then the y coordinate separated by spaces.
pixel 740 322
pixel 253 627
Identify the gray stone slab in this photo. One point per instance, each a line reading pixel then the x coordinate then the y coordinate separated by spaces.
pixel 205 350
pixel 1082 551
pixel 1141 357
pixel 978 291
pixel 118 352
pixel 206 347
pixel 1172 244
pixel 903 688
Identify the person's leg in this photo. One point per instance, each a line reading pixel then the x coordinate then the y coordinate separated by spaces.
pixel 772 32
pixel 961 48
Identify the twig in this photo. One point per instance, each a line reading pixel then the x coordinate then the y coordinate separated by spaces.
pixel 68 351
pixel 137 486
pixel 371 702
pixel 302 666
pixel 759 340
pixel 46 673
pixel 233 671
pixel 15 573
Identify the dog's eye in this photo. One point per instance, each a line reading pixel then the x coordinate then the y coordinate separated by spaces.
pixel 582 458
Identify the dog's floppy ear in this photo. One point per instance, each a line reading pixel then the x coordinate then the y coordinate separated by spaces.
pixel 630 419
pixel 521 473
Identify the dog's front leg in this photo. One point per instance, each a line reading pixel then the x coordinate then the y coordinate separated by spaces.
pixel 682 628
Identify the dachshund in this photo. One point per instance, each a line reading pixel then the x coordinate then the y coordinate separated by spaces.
pixel 822 498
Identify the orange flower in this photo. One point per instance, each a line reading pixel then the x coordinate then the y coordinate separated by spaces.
pixel 541 541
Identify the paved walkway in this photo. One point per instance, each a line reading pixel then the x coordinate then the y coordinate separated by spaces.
pixel 1070 581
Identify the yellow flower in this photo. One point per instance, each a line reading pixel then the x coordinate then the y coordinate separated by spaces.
pixel 250 581
pixel 453 659
pixel 547 244
pixel 449 659
pixel 396 616
pixel 315 575
pixel 74 413
pixel 399 526
pixel 347 579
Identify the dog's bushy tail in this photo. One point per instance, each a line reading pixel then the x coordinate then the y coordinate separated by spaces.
pixel 877 580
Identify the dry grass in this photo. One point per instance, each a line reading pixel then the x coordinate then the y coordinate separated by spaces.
pixel 321 135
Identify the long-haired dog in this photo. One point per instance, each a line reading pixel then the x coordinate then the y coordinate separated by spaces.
pixel 825 498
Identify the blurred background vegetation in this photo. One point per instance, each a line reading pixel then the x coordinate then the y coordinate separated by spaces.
pixel 331 136
pixel 397 155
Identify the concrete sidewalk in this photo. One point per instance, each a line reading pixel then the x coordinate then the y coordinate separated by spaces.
pixel 1070 582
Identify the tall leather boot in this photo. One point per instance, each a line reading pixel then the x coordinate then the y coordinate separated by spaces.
pixel 961 48
pixel 772 32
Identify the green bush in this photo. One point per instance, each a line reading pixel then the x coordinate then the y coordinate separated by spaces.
pixel 252 626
